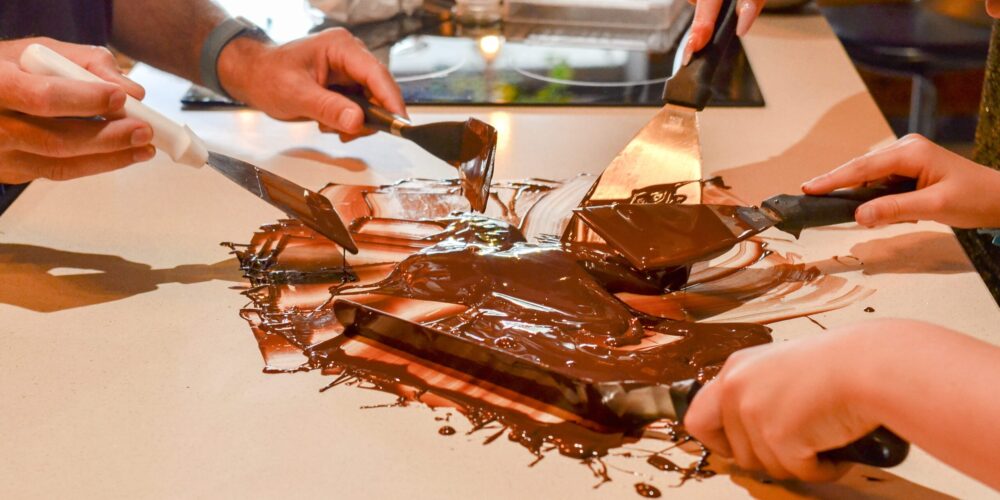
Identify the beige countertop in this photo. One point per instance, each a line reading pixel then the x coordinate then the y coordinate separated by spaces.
pixel 127 371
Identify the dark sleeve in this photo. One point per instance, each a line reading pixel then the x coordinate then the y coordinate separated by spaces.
pixel 76 21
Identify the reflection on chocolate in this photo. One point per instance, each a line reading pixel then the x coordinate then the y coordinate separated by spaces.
pixel 505 278
pixel 647 490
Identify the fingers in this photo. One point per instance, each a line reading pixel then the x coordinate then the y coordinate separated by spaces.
pixel 349 58
pixel 56 97
pixel 910 157
pixel 331 110
pixel 748 12
pixel 812 469
pixel 19 167
pixel 705 13
pixel 919 205
pixel 99 61
pixel 63 138
pixel 704 419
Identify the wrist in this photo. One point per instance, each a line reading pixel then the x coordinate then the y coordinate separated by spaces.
pixel 235 66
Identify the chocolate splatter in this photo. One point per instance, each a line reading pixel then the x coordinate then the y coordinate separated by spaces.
pixel 647 490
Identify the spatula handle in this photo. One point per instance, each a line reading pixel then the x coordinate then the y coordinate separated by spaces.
pixel 879 448
pixel 376 118
pixel 691 85
pixel 799 212
pixel 175 139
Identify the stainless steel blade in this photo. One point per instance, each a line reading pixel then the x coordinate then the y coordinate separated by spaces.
pixel 665 151
pixel 312 209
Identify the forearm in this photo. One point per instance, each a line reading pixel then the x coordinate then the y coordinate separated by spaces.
pixel 165 34
pixel 940 392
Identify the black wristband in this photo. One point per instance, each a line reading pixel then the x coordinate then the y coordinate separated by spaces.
pixel 217 40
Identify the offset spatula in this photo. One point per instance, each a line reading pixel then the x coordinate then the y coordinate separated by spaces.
pixel 185 147
pixel 469 146
pixel 673 235
pixel 616 405
pixel 667 150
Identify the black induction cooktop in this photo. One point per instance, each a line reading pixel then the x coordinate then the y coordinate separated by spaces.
pixel 439 62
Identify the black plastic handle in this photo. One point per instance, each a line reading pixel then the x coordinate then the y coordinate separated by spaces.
pixel 691 85
pixel 798 212
pixel 879 448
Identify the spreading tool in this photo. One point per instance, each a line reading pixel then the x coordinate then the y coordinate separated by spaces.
pixel 676 234
pixel 469 146
pixel 613 404
pixel 183 146
pixel 667 150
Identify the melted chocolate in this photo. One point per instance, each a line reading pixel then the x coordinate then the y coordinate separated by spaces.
pixel 647 490
pixel 502 279
pixel 869 309
pixel 446 430
pixel 656 236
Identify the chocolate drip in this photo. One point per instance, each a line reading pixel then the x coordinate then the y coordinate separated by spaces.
pixel 647 490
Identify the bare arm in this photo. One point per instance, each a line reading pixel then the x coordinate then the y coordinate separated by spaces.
pixel 932 386
pixel 287 82
pixel 940 392
pixel 165 34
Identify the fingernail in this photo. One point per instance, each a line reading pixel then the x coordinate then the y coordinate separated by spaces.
pixel 116 100
pixel 141 136
pixel 348 119
pixel 865 215
pixel 745 19
pixel 688 53
pixel 144 154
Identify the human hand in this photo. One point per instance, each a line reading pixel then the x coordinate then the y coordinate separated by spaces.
pixel 775 407
pixel 46 124
pixel 289 82
pixel 950 189
pixel 705 14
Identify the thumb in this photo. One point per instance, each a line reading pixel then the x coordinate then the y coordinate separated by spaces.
pixel 331 110
pixel 895 208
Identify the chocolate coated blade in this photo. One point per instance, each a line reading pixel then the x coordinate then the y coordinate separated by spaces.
pixel 612 404
pixel 313 210
pixel 656 236
pixel 476 173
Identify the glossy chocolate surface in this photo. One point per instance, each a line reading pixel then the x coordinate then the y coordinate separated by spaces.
pixel 653 236
pixel 504 279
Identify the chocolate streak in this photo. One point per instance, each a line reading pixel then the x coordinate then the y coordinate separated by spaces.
pixel 503 279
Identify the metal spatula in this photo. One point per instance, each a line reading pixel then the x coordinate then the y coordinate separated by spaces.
pixel 185 147
pixel 667 150
pixel 614 404
pixel 469 146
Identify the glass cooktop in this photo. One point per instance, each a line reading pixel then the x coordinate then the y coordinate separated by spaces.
pixel 439 62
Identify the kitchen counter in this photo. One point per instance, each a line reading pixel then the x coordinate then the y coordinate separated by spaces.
pixel 128 372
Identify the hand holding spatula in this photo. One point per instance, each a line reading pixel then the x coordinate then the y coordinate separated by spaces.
pixel 613 404
pixel 469 146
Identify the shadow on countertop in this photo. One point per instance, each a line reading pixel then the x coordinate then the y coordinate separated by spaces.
pixel 48 280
